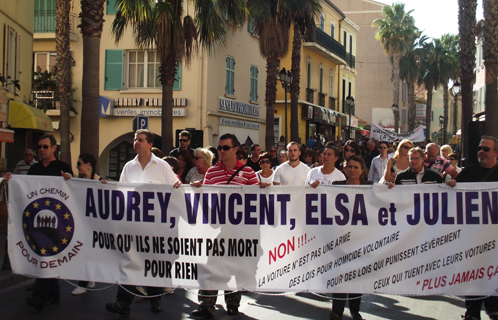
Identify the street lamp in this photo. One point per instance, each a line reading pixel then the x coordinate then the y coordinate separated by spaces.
pixel 441 122
pixel 455 90
pixel 286 79
pixel 395 108
pixel 350 105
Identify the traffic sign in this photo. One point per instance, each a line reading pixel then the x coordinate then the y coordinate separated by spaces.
pixel 140 122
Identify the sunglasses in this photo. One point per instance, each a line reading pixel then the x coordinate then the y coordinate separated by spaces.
pixel 183 140
pixel 350 150
pixel 452 159
pixel 78 164
pixel 197 158
pixel 43 146
pixel 406 147
pixel 486 149
pixel 264 161
pixel 224 148
pixel 380 148
pixel 273 150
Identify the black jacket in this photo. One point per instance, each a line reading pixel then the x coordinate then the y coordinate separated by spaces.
pixel 409 177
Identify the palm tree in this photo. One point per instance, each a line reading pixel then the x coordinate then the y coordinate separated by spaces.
pixel 92 12
pixel 63 64
pixel 491 64
pixel 467 28
pixel 304 25
pixel 395 30
pixel 449 70
pixel 409 71
pixel 163 24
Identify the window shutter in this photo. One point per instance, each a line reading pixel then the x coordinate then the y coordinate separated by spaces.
pixel 18 61
pixel 6 51
pixel 111 6
pixel 178 77
pixel 114 69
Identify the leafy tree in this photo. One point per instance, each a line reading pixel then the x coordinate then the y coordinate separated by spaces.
pixel 491 64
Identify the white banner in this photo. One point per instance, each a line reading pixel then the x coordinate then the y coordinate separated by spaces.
pixel 426 239
pixel 379 133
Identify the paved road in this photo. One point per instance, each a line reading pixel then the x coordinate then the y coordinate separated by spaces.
pixel 253 306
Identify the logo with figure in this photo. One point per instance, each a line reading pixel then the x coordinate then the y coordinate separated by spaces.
pixel 48 226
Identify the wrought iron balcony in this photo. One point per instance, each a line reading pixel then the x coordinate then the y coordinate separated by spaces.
pixel 309 95
pixel 321 99
pixel 330 43
pixel 351 60
pixel 45 21
pixel 332 103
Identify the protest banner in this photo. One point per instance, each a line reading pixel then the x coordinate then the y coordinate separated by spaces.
pixel 420 239
pixel 379 133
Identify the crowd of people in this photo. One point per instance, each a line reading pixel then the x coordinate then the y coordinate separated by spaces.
pixel 313 164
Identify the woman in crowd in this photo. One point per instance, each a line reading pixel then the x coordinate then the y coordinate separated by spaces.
pixel 265 175
pixel 399 161
pixel 86 165
pixel 326 174
pixel 319 159
pixel 185 163
pixel 351 148
pixel 242 156
pixel 281 145
pixel 453 159
pixel 355 171
pixel 310 157
pixel 379 164
pixel 202 161
pixel 445 151
pixel 282 157
pixel 216 156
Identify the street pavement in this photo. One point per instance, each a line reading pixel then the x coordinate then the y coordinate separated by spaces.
pixel 179 305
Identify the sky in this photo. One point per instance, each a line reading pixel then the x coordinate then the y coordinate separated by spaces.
pixel 436 17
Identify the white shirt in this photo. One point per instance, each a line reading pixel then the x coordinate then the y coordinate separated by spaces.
pixel 263 179
pixel 377 169
pixel 316 174
pixel 156 171
pixel 289 176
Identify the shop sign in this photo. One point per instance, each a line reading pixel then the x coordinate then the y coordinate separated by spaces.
pixel 7 137
pixel 150 112
pixel 420 113
pixel 239 123
pixel 147 102
pixel 238 107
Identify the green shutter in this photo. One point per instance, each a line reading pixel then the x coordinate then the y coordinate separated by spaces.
pixel 254 83
pixel 111 6
pixel 114 69
pixel 178 78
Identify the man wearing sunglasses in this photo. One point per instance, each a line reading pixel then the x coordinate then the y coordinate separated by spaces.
pixel 228 171
pixel 485 170
pixel 46 291
pixel 184 138
pixel 253 161
pixel 436 163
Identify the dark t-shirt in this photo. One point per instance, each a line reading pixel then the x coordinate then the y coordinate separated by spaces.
pixel 475 173
pixel 54 168
pixel 254 165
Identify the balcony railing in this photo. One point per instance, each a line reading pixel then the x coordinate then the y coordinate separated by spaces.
pixel 309 95
pixel 351 60
pixel 332 103
pixel 321 99
pixel 330 43
pixel 45 21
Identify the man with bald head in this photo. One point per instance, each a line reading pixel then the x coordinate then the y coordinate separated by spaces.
pixel 436 163
pixel 23 166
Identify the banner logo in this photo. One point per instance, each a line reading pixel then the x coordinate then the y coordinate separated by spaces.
pixel 48 226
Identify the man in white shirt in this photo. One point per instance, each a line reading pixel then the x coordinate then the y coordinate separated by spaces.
pixel 326 174
pixel 293 172
pixel 379 163
pixel 144 168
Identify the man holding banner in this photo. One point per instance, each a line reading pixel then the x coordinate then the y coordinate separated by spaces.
pixel 486 170
pixel 145 168
pixel 228 171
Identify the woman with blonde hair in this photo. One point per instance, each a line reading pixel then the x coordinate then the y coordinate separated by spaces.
pixel 398 162
pixel 202 160
pixel 445 151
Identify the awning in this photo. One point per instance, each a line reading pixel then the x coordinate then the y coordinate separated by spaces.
pixel 6 135
pixel 23 116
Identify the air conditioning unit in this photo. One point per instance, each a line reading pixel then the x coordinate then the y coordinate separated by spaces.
pixel 325 115
pixel 333 118
pixel 317 114
pixel 307 112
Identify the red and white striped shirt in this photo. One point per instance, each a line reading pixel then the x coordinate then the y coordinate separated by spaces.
pixel 218 174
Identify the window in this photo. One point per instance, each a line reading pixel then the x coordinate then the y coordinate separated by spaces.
pixel 331 84
pixel 250 26
pixel 254 83
pixel 111 6
pixel 321 78
pixel 351 44
pixel 308 82
pixel 322 22
pixel 45 61
pixel 12 56
pixel 332 29
pixel 345 38
pixel 230 76
pixel 143 69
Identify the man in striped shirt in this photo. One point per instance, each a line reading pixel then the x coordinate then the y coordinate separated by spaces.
pixel 228 171
pixel 23 166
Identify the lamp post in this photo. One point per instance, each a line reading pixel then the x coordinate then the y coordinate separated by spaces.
pixel 455 90
pixel 350 105
pixel 395 108
pixel 441 122
pixel 286 79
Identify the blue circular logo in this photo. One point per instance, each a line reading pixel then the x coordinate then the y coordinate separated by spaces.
pixel 48 226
